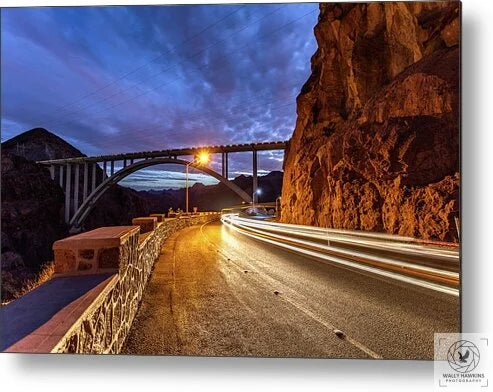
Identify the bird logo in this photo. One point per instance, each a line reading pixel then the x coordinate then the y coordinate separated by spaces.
pixel 463 356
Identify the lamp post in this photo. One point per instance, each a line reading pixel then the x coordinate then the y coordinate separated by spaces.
pixel 258 192
pixel 201 159
pixel 278 199
pixel 186 187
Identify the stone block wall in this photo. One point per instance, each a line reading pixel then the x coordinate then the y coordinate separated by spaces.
pixel 103 326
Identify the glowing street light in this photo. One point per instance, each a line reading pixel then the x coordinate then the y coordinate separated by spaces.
pixel 201 159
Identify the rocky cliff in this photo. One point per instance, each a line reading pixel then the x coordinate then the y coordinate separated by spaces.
pixel 32 212
pixel 376 143
pixel 32 219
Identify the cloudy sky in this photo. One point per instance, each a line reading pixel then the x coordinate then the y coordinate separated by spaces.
pixel 122 79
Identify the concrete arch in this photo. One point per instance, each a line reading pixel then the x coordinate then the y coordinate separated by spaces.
pixel 88 204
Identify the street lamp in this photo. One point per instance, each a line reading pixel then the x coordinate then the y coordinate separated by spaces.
pixel 277 209
pixel 203 158
pixel 200 159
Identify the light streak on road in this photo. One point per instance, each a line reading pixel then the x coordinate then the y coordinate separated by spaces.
pixel 384 255
pixel 399 244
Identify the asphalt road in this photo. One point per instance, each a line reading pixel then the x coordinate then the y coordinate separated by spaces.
pixel 215 292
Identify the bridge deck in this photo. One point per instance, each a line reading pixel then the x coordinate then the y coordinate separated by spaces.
pixel 265 146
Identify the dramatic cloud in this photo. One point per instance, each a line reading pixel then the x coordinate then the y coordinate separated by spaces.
pixel 121 79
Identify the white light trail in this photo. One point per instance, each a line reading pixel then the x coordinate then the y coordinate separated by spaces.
pixel 287 236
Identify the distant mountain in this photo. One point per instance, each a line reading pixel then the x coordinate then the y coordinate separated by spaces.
pixel 214 197
pixel 40 145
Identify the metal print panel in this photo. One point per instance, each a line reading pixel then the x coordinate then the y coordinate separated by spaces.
pixel 269 180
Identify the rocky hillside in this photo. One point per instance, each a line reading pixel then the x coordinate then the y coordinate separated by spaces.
pixel 32 213
pixel 117 206
pixel 376 143
pixel 32 219
pixel 38 145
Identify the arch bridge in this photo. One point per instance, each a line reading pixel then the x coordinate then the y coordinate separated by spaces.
pixel 98 173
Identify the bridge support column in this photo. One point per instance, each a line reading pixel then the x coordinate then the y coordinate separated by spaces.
pixel 112 167
pixel 226 173
pixel 67 193
pixel 86 175
pixel 105 172
pixel 52 172
pixel 254 183
pixel 60 174
pixel 223 163
pixel 76 188
pixel 93 178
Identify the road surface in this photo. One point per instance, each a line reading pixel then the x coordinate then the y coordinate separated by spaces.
pixel 216 292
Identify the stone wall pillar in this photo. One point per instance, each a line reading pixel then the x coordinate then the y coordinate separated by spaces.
pixel 103 250
pixel 146 223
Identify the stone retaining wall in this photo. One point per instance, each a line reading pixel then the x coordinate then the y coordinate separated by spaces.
pixel 104 315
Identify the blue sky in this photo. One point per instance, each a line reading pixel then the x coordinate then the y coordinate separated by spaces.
pixel 122 79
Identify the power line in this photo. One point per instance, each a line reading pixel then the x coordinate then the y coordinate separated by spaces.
pixel 105 109
pixel 166 83
pixel 147 132
pixel 165 70
pixel 153 129
pixel 241 107
pixel 186 41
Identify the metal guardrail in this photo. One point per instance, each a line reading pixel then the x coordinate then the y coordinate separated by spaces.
pixel 400 258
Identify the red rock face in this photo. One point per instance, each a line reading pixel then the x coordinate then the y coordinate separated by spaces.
pixel 376 143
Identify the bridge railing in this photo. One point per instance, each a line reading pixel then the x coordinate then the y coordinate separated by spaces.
pixel 89 305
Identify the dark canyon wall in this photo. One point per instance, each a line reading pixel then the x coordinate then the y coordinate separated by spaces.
pixel 376 143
